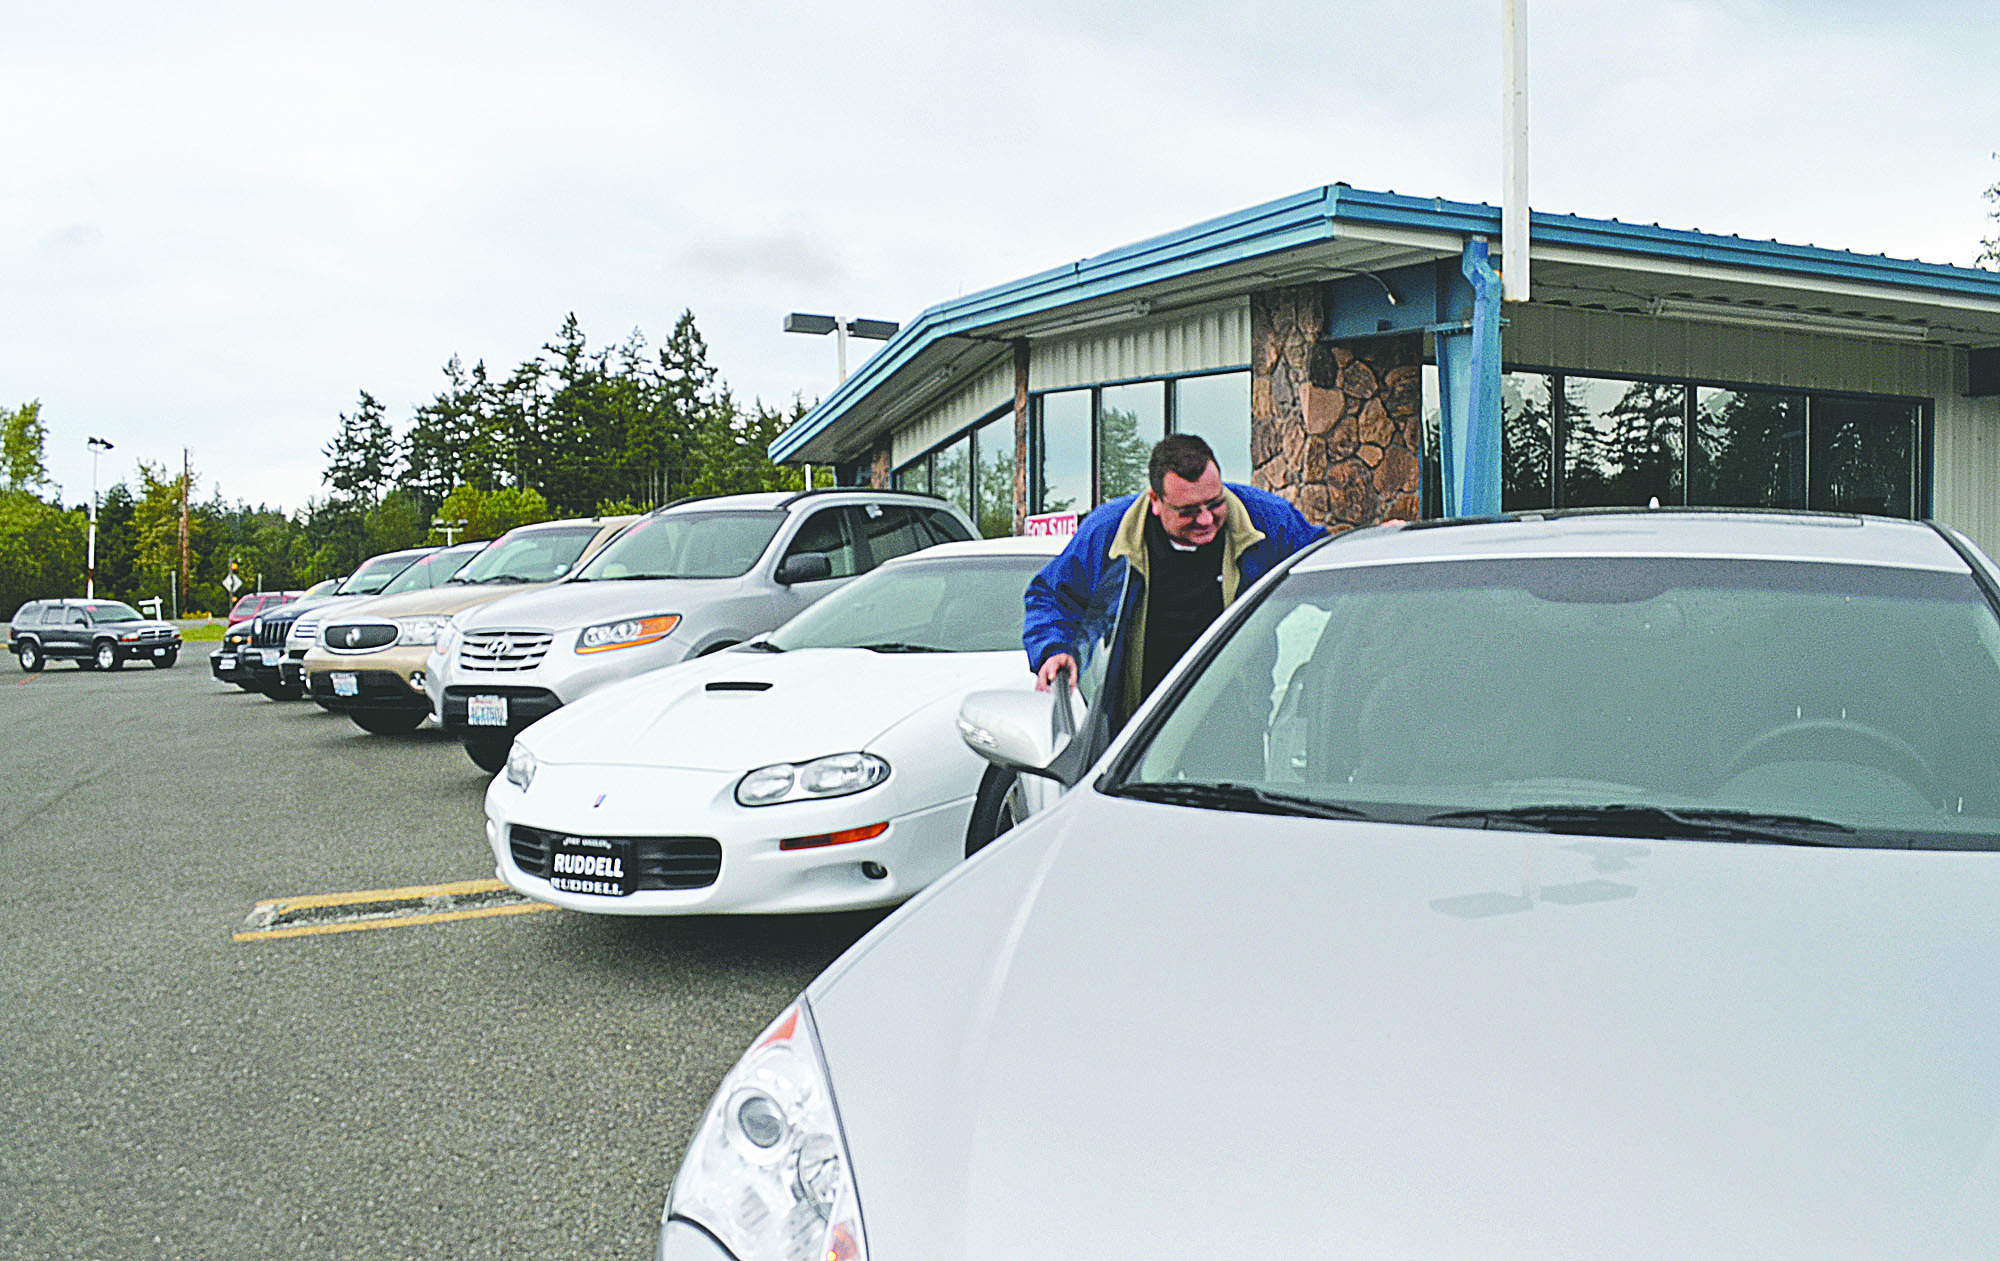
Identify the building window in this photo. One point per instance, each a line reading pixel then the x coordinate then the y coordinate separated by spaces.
pixel 1217 409
pixel 1861 455
pixel 1569 440
pixel 1131 419
pixel 1063 470
pixel 1622 442
pixel 1748 449
pixel 951 474
pixel 993 481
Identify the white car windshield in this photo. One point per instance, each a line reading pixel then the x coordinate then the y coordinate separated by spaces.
pixel 686 545
pixel 949 604
pixel 1744 700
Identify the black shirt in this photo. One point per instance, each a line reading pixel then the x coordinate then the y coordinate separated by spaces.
pixel 1183 595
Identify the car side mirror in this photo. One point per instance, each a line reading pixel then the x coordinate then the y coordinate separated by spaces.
pixel 805 567
pixel 1019 731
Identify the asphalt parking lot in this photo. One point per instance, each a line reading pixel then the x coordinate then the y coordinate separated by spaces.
pixel 174 1083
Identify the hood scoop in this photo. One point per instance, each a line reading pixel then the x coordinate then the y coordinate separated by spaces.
pixel 738 685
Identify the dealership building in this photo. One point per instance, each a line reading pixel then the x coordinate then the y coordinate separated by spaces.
pixel 1351 350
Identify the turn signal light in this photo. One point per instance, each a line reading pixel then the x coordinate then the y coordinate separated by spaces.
pixel 846 837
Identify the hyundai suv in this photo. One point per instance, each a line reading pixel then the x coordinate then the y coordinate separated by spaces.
pixel 368 660
pixel 688 579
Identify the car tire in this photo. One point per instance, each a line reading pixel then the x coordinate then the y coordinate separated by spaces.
pixel 393 722
pixel 994 810
pixel 105 656
pixel 487 753
pixel 167 662
pixel 31 656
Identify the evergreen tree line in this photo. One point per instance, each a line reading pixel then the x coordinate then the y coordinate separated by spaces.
pixel 574 431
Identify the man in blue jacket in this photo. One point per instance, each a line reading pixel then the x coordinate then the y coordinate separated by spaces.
pixel 1147 573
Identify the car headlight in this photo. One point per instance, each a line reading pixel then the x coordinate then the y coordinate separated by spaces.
pixel 768 1172
pixel 834 776
pixel 628 633
pixel 419 630
pixel 521 766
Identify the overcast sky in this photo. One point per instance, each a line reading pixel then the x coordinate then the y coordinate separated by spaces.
pixel 220 221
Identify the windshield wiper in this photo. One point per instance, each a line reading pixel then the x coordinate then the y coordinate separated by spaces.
pixel 1240 797
pixel 892 647
pixel 1639 821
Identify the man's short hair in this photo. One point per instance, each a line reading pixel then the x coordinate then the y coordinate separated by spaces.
pixel 1182 454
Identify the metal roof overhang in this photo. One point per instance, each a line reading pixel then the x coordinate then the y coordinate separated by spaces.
pixel 1336 231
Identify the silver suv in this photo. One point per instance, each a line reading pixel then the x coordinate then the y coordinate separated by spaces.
pixel 686 580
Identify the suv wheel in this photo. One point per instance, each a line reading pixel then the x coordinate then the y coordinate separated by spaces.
pixel 166 662
pixel 31 656
pixel 489 753
pixel 106 656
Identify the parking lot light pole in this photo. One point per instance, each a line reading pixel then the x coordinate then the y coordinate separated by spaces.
pixel 90 563
pixel 840 326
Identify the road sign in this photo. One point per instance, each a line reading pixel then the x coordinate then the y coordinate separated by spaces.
pixel 232 583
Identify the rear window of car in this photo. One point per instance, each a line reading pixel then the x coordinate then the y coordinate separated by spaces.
pixel 543 554
pixel 718 544
pixel 960 604
pixel 375 574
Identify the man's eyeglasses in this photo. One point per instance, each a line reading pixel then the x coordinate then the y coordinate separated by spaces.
pixel 1212 507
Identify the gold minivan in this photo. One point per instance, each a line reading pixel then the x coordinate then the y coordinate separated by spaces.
pixel 368 661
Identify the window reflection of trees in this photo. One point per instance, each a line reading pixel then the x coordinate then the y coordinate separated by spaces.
pixel 1749 449
pixel 1622 442
pixel 1863 455
pixel 1527 438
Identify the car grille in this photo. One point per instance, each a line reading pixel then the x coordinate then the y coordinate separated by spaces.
pixel 503 650
pixel 155 635
pixel 658 862
pixel 358 636
pixel 270 634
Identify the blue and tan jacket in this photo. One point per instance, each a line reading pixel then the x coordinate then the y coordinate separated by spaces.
pixel 1090 601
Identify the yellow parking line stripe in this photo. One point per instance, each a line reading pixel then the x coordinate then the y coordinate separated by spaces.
pixel 411 893
pixel 397 921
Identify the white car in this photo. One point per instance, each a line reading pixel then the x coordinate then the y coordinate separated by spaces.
pixel 1617 886
pixel 817 768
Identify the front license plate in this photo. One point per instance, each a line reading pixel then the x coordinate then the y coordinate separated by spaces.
pixel 159 652
pixel 486 711
pixel 271 656
pixel 346 684
pixel 590 864
pixel 227 661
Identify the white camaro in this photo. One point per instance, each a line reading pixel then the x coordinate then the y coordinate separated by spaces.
pixel 819 768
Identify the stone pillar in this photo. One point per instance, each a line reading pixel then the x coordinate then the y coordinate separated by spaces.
pixel 1337 428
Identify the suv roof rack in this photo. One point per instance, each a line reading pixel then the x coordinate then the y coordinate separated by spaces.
pixel 859 490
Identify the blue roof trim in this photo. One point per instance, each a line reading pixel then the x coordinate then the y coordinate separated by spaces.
pixel 1316 215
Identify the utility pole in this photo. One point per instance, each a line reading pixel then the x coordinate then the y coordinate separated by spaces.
pixel 185 473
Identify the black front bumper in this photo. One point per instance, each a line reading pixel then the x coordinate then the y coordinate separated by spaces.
pixel 524 706
pixel 376 691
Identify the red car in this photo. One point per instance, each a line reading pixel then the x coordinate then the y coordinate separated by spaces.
pixel 256 602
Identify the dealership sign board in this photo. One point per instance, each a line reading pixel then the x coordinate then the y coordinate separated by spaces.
pixel 1049 523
